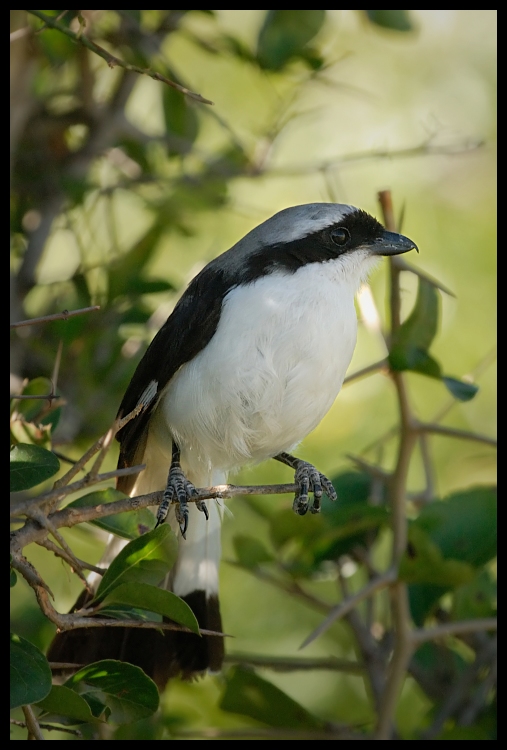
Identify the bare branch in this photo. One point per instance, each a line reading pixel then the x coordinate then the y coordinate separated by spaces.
pixel 397 487
pixel 32 724
pixel 73 621
pixel 49 727
pixel 438 429
pixel 64 315
pixel 384 580
pixel 113 61
pixel 375 367
pixel 423 635
pixel 291 664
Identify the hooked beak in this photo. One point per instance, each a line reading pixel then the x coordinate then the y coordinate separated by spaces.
pixel 391 243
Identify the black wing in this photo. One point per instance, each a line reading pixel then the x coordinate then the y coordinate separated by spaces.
pixel 188 329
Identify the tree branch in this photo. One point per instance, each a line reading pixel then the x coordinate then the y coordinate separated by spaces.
pixel 346 606
pixel 113 61
pixel 34 732
pixel 64 315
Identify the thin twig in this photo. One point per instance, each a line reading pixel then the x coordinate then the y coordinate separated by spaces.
pixel 250 733
pixel 384 580
pixel 402 265
pixel 291 587
pixel 64 315
pixel 69 559
pixel 49 727
pixel 422 635
pixel 438 429
pixel 375 367
pixel 425 147
pixel 32 724
pixel 291 664
pixel 113 61
pixel 26 505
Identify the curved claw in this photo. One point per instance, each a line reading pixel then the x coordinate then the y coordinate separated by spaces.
pixel 178 488
pixel 308 480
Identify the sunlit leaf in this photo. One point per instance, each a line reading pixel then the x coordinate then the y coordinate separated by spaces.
pixel 146 559
pixel 123 688
pixel 154 599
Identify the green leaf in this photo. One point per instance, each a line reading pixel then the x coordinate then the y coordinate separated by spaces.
pixel 31 465
pixel 464 525
pixel 250 551
pixel 475 599
pixel 248 694
pixel 30 675
pixel 285 34
pixel 65 706
pixel 398 20
pixel 422 598
pixel 123 688
pixel 146 559
pixel 126 525
pixel 461 390
pixel 423 563
pixel 154 600
pixel 125 271
pixel 181 119
pixel 13 578
pixel 410 344
pixel 124 612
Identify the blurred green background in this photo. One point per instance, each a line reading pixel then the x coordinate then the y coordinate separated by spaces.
pixel 122 190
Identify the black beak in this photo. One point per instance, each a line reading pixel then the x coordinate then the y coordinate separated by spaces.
pixel 391 243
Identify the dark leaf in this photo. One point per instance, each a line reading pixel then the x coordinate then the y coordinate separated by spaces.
pixel 284 35
pixel 250 695
pixel 459 388
pixel 398 20
pixel 424 563
pixel 30 465
pixel 30 675
pixel 409 348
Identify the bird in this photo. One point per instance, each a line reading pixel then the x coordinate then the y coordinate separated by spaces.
pixel 247 364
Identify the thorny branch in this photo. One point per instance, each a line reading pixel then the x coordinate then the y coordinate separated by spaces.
pixel 385 675
pixel 112 60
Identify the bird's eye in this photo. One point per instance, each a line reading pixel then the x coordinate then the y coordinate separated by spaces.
pixel 340 236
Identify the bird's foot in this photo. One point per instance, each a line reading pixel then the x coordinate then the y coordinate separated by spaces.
pixel 181 490
pixel 308 480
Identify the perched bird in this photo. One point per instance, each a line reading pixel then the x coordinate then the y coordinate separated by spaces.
pixel 247 364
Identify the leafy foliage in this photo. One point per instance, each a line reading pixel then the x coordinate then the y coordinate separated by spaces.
pixel 119 185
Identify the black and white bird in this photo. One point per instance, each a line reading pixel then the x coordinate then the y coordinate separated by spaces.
pixel 247 364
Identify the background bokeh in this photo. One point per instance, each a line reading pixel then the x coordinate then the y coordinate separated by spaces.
pixel 122 190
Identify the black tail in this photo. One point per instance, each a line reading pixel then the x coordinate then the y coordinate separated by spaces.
pixel 160 655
